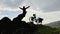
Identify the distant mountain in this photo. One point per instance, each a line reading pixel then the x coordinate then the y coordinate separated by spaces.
pixel 54 24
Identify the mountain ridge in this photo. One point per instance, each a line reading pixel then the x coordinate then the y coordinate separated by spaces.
pixel 54 24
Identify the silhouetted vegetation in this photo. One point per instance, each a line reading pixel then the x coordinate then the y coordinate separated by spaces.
pixel 17 26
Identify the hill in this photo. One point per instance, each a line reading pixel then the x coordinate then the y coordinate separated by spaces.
pixel 54 24
pixel 40 29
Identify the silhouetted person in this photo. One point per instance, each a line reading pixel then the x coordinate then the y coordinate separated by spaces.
pixel 34 15
pixel 33 18
pixel 24 9
pixel 18 20
pixel 21 16
pixel 39 20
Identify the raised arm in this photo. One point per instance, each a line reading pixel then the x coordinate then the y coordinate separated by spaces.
pixel 27 7
pixel 20 8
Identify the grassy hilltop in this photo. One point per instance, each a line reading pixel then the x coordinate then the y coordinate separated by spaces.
pixel 47 30
pixel 40 29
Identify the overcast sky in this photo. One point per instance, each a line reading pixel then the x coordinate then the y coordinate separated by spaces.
pixel 49 10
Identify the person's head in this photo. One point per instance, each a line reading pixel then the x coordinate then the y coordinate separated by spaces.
pixel 23 6
pixel 34 14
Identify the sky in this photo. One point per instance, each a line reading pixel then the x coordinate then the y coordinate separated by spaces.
pixel 49 10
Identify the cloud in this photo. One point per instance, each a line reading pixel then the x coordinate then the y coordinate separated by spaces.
pixel 9 13
pixel 48 17
pixel 10 3
pixel 8 8
pixel 45 5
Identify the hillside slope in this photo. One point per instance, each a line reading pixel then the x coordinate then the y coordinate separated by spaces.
pixel 40 29
pixel 54 24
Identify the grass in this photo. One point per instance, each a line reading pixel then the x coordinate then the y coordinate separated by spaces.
pixel 41 29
